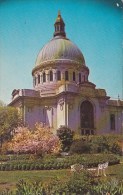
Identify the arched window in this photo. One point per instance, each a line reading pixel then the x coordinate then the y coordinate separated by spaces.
pixel 38 79
pixel 58 27
pixel 74 76
pixel 87 78
pixel 44 77
pixel 51 75
pixel 112 122
pixel 58 75
pixel 66 76
pixel 34 80
pixel 87 117
pixel 80 80
pixel 84 78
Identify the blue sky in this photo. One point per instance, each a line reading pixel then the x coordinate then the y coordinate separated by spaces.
pixel 95 26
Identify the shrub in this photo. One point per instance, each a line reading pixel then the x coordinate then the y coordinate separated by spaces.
pixel 23 166
pixel 110 186
pixel 77 184
pixel 37 167
pixel 99 143
pixel 27 167
pixel 32 167
pixel 80 146
pixel 115 148
pixel 106 144
pixel 66 136
pixel 3 167
pixel 40 141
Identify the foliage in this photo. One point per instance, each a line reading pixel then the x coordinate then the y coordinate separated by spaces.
pixel 46 177
pixel 39 141
pixel 107 143
pixel 76 184
pixel 2 104
pixel 97 144
pixel 112 186
pixel 9 119
pixel 24 188
pixel 80 146
pixel 53 162
pixel 66 136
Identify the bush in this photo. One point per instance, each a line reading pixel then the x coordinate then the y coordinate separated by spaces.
pixel 76 183
pixel 110 186
pixel 40 141
pixel 27 167
pixel 98 144
pixel 80 146
pixel 106 144
pixel 66 136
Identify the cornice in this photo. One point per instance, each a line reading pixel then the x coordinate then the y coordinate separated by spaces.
pixel 52 63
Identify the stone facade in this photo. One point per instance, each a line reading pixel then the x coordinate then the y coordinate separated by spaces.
pixel 62 93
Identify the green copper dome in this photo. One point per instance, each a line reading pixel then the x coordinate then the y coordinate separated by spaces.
pixel 59 48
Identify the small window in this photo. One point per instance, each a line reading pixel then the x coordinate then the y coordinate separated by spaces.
pixel 58 27
pixel 84 78
pixel 66 76
pixel 44 77
pixel 74 76
pixel 112 122
pixel 80 80
pixel 34 80
pixel 38 79
pixel 51 76
pixel 58 75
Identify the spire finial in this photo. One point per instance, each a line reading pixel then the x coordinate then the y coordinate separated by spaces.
pixel 59 26
pixel 59 13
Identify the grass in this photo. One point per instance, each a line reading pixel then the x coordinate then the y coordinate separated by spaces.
pixel 8 179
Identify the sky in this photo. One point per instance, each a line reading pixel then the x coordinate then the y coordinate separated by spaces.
pixel 95 26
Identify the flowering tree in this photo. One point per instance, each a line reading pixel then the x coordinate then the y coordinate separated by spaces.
pixel 41 140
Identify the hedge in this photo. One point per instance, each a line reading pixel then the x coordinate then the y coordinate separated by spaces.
pixel 87 160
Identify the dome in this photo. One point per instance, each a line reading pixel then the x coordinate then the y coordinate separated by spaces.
pixel 60 48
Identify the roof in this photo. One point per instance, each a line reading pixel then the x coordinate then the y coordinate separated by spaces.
pixel 115 102
pixel 60 48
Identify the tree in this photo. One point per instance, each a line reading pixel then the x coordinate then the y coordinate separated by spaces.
pixel 39 141
pixel 2 103
pixel 66 136
pixel 9 119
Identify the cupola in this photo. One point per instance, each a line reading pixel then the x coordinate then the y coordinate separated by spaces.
pixel 59 26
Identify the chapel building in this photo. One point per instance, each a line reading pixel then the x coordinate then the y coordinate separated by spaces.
pixel 62 93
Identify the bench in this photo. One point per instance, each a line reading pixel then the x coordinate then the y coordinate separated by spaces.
pixel 102 167
pixel 76 168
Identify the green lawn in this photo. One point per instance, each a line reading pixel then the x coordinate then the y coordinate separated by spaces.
pixel 8 179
